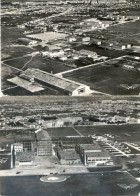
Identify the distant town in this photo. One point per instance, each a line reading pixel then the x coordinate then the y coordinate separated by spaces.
pixel 56 137
pixel 76 48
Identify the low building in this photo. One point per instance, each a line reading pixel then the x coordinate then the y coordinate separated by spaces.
pixel 88 53
pixel 18 147
pixel 92 154
pixel 44 143
pixel 86 40
pixel 69 87
pixel 24 159
pixel 53 51
pixel 68 157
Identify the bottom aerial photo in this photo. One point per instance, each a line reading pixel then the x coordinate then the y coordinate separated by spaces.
pixel 70 146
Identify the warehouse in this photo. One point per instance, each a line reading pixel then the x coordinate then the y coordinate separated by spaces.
pixel 44 143
pixel 68 157
pixel 93 154
pixel 68 86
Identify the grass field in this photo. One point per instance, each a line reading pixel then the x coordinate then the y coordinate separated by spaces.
pixel 45 64
pixel 118 130
pixel 6 73
pixel 76 185
pixel 9 36
pixel 107 78
pixel 62 132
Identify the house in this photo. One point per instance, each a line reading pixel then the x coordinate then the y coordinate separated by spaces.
pixel 71 39
pixel 86 40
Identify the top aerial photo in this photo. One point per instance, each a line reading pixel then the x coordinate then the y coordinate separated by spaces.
pixel 70 47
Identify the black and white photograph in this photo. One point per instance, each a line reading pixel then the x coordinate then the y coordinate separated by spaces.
pixel 70 98
pixel 70 47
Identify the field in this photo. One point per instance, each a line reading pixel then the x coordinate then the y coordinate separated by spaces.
pixel 62 132
pixel 107 78
pixel 45 64
pixel 117 130
pixel 9 48
pixel 6 73
pixel 76 185
pixel 47 36
pixel 130 31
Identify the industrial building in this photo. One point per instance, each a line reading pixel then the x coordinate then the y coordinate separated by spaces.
pixel 44 143
pixel 33 76
pixel 24 159
pixel 93 154
pixel 68 157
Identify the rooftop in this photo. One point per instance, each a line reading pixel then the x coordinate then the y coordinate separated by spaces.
pixel 42 135
pixel 25 84
pixel 52 79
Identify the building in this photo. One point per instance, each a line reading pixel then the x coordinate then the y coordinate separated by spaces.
pixel 44 143
pixel 86 40
pixel 68 157
pixel 45 78
pixel 53 51
pixel 18 147
pixel 88 53
pixel 92 154
pixel 24 159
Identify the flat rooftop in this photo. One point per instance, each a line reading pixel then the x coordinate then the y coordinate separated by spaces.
pixel 25 84
pixel 51 79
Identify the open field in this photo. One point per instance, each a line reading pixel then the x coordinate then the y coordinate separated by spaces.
pixel 6 73
pixel 62 132
pixel 86 184
pixel 9 36
pixel 107 78
pixel 118 130
pixel 47 36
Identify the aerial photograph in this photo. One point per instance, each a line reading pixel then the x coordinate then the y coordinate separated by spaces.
pixel 69 146
pixel 70 98
pixel 70 47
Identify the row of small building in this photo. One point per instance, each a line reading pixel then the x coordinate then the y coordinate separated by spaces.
pixel 70 151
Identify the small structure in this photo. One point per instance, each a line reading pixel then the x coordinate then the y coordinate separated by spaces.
pixel 88 53
pixel 53 51
pixel 86 40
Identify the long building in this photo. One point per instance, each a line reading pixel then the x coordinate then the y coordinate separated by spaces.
pixel 36 76
pixel 44 143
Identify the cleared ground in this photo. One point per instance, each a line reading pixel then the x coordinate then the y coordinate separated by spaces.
pixel 76 185
pixel 128 132
pixel 107 78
